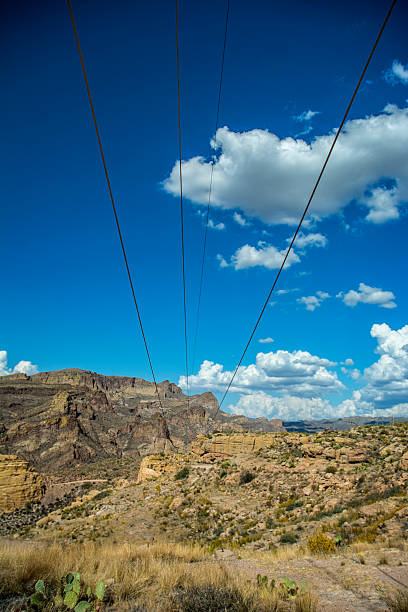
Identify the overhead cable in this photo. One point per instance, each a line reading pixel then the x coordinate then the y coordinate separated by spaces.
pixel 112 199
pixel 311 197
pixel 181 202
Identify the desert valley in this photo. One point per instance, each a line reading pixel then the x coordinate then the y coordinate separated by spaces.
pixel 239 514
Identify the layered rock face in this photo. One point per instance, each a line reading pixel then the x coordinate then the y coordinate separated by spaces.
pixel 19 484
pixel 232 444
pixel 63 418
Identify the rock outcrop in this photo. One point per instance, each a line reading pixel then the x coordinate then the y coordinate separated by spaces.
pixel 68 417
pixel 19 484
pixel 232 444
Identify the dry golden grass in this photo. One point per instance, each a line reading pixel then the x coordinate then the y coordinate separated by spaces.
pixel 163 577
pixel 282 553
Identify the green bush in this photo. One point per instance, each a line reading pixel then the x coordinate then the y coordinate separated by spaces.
pixel 289 538
pixel 331 469
pixel 246 477
pixel 183 473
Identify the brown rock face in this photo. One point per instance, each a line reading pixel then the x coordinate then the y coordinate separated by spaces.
pixel 19 483
pixel 63 418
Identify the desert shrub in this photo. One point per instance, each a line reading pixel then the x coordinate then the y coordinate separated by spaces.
pixel 291 505
pixel 208 598
pixel 320 544
pixel 101 495
pixel 183 473
pixel 289 538
pixel 331 469
pixel 397 602
pixel 246 477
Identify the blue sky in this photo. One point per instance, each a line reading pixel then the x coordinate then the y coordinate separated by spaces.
pixel 289 73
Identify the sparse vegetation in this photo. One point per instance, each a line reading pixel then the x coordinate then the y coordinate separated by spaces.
pixel 245 477
pixel 183 473
pixel 160 577
pixel 321 544
pixel 397 602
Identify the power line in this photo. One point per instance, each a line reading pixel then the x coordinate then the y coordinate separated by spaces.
pixel 211 183
pixel 181 202
pixel 311 196
pixel 111 197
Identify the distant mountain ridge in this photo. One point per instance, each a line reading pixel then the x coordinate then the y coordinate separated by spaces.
pixel 67 417
pixel 64 417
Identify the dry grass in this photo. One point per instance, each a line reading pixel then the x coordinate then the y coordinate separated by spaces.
pixel 163 577
pixel 282 553
pixel 397 602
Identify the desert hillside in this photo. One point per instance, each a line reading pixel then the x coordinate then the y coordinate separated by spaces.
pixel 328 511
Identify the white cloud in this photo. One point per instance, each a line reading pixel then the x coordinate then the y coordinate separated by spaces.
pixel 223 262
pixel 398 73
pixel 368 295
pixel 383 205
pixel 304 241
pixel 26 367
pixel 293 385
pixel 266 256
pixel 269 256
pixel 285 291
pixel 287 408
pixel 306 115
pixel 271 178
pixel 216 226
pixel 297 373
pixel 239 219
pixel 265 340
pixel 354 373
pixel 313 301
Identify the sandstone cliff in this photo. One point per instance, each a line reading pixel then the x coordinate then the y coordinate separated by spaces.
pixel 19 484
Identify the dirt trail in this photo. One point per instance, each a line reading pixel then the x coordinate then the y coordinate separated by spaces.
pixel 342 584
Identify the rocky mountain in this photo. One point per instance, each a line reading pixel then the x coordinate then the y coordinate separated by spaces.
pixel 60 418
pixel 343 424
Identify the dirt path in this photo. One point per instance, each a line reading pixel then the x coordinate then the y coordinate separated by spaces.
pixel 342 584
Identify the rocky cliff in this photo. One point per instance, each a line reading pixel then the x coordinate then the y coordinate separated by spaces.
pixel 19 484
pixel 66 417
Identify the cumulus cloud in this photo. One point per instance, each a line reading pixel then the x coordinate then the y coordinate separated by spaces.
pixel 295 373
pixel 26 367
pixel 270 178
pixel 313 301
pixel 304 241
pixel 287 408
pixel 383 204
pixel 354 373
pixel 387 379
pixel 398 73
pixel 216 226
pixel 240 219
pixel 368 295
pixel 298 385
pixel 266 256
pixel 306 115
pixel 265 340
